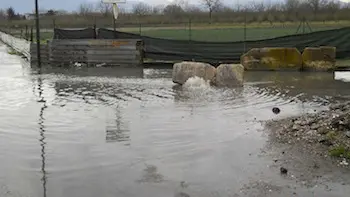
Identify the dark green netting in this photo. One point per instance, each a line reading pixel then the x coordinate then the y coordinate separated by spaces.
pixel 216 52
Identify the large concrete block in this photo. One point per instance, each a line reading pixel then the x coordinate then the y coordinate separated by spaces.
pixel 184 70
pixel 329 53
pixel 229 75
pixel 273 58
pixel 319 58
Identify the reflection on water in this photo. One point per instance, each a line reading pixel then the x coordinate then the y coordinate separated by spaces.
pixel 305 87
pixel 117 130
pixel 42 136
pixel 151 175
pixel 105 135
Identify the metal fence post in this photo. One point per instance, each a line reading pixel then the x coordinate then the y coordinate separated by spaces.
pixel 140 28
pixel 31 34
pixel 26 35
pixel 245 31
pixel 190 47
pixel 37 33
pixel 95 28
pixel 190 29
pixel 54 23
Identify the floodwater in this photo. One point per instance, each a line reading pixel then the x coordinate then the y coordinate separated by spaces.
pixel 130 133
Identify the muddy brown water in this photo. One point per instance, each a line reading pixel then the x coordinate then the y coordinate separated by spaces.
pixel 130 132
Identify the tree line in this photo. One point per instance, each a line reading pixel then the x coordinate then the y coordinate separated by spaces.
pixel 10 14
pixel 288 10
pixel 214 11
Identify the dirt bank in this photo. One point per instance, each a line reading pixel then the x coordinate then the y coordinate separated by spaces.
pixel 324 134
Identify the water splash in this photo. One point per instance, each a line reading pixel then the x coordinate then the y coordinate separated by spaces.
pixel 196 83
pixel 196 88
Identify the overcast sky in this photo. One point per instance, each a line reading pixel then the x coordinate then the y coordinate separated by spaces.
pixel 23 6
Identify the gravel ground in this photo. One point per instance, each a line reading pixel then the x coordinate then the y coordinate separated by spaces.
pixel 324 134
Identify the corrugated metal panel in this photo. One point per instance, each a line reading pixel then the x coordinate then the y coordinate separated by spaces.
pixel 113 52
pixel 90 51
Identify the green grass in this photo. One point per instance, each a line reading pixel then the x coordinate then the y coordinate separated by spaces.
pixel 217 32
pixel 340 151
pixel 221 34
pixel 12 52
pixel 226 32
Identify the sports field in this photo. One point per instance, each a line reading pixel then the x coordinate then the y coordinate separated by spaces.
pixel 232 32
pixel 217 32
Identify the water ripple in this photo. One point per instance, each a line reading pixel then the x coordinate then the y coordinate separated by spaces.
pixel 89 134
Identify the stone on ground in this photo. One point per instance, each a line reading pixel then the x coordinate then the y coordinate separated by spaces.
pixel 229 75
pixel 272 59
pixel 319 58
pixel 184 70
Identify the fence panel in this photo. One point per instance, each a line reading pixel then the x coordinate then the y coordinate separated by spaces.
pixel 124 52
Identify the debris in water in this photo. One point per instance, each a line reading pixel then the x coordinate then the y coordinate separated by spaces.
pixel 283 170
pixel 276 110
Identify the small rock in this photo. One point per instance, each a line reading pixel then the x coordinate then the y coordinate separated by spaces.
pixel 311 132
pixel 314 126
pixel 276 110
pixel 347 134
pixel 295 127
pixel 283 170
pixel 325 141
pixel 297 122
pixel 322 130
pixel 344 162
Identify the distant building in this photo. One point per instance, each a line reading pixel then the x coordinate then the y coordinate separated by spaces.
pixel 31 16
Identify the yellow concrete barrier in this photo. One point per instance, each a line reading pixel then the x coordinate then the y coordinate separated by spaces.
pixel 319 58
pixel 273 58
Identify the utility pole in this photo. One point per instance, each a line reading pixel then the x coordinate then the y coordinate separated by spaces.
pixel 37 33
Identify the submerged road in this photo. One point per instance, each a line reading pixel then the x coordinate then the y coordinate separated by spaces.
pixel 91 132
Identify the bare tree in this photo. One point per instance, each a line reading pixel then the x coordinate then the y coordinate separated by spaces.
pixel 333 6
pixel 2 14
pixel 316 5
pixel 173 10
pixel 86 8
pixel 141 9
pixel 291 5
pixel 193 9
pixel 156 10
pixel 104 8
pixel 211 5
pixel 257 7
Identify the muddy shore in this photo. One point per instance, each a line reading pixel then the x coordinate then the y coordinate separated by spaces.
pixel 325 134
